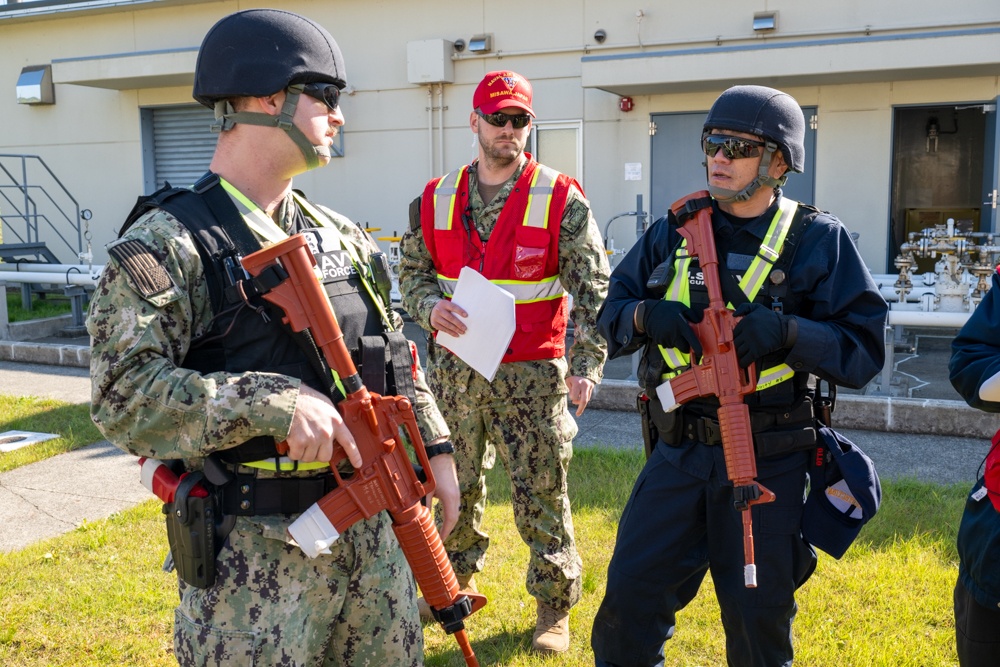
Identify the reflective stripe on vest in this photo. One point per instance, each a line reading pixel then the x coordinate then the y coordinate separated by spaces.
pixel 444 199
pixel 524 291
pixel 751 284
pixel 538 216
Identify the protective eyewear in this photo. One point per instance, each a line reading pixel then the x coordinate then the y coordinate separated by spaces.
pixel 328 93
pixel 500 119
pixel 734 148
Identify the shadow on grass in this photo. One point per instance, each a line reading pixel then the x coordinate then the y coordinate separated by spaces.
pixel 601 479
pixel 499 648
pixel 71 422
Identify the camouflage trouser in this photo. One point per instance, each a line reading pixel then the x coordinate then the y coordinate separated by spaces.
pixel 272 605
pixel 534 439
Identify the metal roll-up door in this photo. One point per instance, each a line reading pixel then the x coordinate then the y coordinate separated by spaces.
pixel 178 144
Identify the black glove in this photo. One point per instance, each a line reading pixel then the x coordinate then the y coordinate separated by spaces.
pixel 668 323
pixel 761 331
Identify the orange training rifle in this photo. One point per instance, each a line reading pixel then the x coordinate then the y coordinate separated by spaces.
pixel 719 373
pixel 381 426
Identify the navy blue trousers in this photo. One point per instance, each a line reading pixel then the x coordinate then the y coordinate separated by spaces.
pixel 678 524
pixel 977 631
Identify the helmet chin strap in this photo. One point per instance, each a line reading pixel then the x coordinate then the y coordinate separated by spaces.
pixel 226 117
pixel 763 178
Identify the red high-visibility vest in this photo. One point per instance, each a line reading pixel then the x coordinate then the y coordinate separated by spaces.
pixel 521 256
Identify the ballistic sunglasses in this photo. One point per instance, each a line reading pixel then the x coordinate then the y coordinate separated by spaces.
pixel 500 119
pixel 328 93
pixel 734 148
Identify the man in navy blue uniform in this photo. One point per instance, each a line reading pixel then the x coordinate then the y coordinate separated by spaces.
pixel 808 307
pixel 975 374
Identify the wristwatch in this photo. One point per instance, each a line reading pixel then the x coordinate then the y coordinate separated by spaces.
pixel 441 448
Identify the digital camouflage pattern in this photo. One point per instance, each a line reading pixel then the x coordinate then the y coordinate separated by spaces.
pixel 522 414
pixel 144 402
pixel 365 581
pixel 360 601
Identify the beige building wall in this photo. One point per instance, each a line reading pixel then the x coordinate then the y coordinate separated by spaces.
pixel 854 60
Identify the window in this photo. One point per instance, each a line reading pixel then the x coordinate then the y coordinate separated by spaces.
pixel 558 144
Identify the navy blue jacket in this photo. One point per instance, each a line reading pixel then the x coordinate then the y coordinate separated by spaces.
pixel 840 310
pixel 975 358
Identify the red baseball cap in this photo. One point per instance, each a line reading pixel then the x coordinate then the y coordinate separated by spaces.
pixel 502 89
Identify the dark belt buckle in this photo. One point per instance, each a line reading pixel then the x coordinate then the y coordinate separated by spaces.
pixel 708 431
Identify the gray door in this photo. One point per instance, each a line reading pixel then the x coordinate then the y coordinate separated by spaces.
pixel 177 145
pixel 991 170
pixel 676 164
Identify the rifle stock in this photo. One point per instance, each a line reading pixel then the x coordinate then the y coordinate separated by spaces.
pixel 719 374
pixel 381 426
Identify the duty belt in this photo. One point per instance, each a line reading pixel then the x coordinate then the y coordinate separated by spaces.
pixel 773 433
pixel 248 495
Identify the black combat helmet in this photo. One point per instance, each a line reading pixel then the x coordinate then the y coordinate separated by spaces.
pixel 258 52
pixel 768 113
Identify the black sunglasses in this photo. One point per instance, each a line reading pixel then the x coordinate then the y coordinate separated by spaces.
pixel 734 148
pixel 500 119
pixel 328 93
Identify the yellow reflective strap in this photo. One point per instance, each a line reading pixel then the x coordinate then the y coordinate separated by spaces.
pixel 256 219
pixel 770 249
pixel 349 247
pixel 285 464
pixel 337 383
pixel 774 375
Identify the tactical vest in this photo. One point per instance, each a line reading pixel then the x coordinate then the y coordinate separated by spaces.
pixel 686 272
pixel 521 256
pixel 247 333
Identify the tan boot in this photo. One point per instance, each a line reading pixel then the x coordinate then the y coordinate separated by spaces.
pixel 466 583
pixel 551 630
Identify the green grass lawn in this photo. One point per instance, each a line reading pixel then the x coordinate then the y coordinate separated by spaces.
pixel 51 306
pixel 40 415
pixel 97 596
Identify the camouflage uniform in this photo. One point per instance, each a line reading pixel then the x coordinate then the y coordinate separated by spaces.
pixel 270 604
pixel 522 414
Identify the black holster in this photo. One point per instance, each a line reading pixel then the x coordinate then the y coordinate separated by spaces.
pixel 649 433
pixel 191 533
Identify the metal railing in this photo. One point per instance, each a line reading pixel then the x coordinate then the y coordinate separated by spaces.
pixel 37 200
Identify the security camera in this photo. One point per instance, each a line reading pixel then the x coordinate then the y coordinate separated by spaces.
pixel 600 36
pixel 459 45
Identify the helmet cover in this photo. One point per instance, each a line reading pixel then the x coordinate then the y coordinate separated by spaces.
pixel 258 52
pixel 764 112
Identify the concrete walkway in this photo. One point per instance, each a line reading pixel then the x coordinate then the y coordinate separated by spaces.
pixel 53 496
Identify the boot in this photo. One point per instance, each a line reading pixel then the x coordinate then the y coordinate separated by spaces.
pixel 466 584
pixel 551 630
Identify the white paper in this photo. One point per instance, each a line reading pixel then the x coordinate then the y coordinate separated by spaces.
pixel 665 392
pixel 489 326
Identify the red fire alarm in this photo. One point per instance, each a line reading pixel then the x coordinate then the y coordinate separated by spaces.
pixel 625 103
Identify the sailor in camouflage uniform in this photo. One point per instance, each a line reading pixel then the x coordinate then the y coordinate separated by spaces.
pixel 535 237
pixel 187 366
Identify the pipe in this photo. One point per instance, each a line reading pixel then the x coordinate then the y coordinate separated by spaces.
pixel 441 170
pixel 430 131
pixel 43 267
pixel 919 318
pixel 49 278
